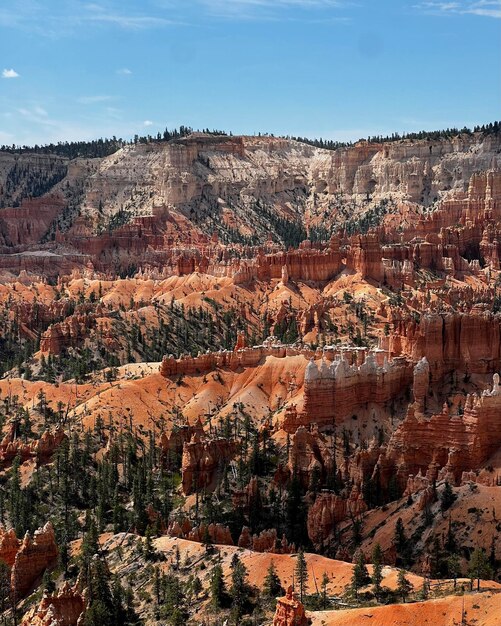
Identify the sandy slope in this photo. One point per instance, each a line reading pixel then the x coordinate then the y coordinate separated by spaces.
pixel 481 610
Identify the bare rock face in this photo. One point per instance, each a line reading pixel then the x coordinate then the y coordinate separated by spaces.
pixel 65 608
pixel 136 205
pixel 366 257
pixel 451 341
pixel 328 510
pixel 266 541
pixel 290 611
pixel 421 384
pixel 202 458
pixel 335 390
pixel 309 455
pixel 70 333
pixel 9 546
pixel 41 450
pixel 172 444
pixel 216 533
pixel 457 443
pixel 35 555
pixel 28 223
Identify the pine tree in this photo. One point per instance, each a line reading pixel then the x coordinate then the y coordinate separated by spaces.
pixel 447 497
pixel 15 497
pixel 360 576
pixel 295 512
pixel 401 542
pixel 404 586
pixel 301 573
pixel 272 586
pixel 148 550
pixel 377 572
pixel 174 608
pixel 454 567
pixel 5 588
pixel 479 567
pixel 217 587
pixel 101 606
pixel 325 582
pixel 239 591
pixel 196 586
pixel 90 547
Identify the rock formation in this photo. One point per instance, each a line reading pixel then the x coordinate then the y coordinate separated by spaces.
pixel 64 608
pixel 265 541
pixel 29 558
pixel 202 458
pixel 290 611
pixel 335 391
pixel 243 181
pixel 216 533
pixel 9 546
pixel 459 442
pixel 328 510
pixel 41 450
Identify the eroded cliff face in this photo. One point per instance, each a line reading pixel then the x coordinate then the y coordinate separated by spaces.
pixel 202 458
pixel 64 608
pixel 449 443
pixel 151 196
pixel 468 342
pixel 29 558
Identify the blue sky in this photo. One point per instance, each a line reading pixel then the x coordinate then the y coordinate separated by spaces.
pixel 72 69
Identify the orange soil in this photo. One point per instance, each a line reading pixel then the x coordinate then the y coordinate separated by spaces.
pixel 141 394
pixel 481 609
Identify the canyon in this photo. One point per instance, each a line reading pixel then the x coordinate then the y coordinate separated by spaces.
pixel 244 346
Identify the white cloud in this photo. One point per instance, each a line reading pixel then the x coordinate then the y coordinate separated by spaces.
pixel 484 8
pixel 124 71
pixel 10 74
pixel 71 16
pixel 267 9
pixel 93 99
pixel 302 4
pixel 40 111
pixel 96 13
pixel 147 123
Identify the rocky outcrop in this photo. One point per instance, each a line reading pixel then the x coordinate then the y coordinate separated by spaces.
pixel 265 541
pixel 421 384
pixel 366 257
pixel 29 558
pixel 64 608
pixel 335 390
pixel 290 611
pixel 201 460
pixel 215 533
pixel 311 455
pixel 41 449
pixel 70 333
pixel 172 444
pixel 466 342
pixel 9 546
pixel 328 510
pixel 28 223
pixel 34 557
pixel 457 442
pixel 183 192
